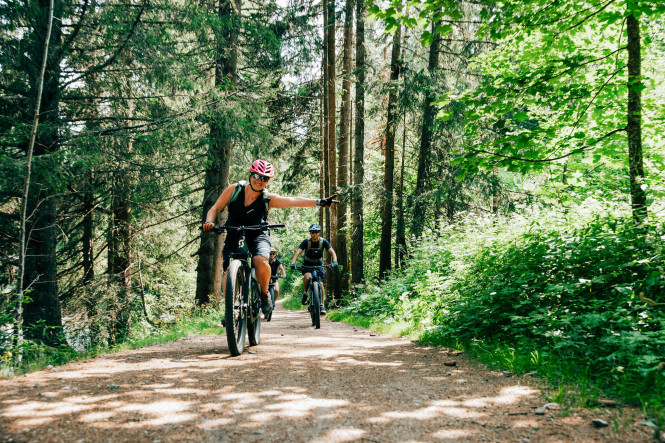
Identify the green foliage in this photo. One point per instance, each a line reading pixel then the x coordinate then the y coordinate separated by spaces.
pixel 574 298
pixel 36 356
pixel 572 295
pixel 409 295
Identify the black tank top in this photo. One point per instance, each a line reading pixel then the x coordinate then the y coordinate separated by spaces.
pixel 241 215
pixel 274 266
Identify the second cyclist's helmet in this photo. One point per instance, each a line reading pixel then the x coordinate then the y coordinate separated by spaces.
pixel 314 227
pixel 262 167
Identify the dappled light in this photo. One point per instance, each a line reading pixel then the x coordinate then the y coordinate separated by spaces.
pixel 446 434
pixel 334 384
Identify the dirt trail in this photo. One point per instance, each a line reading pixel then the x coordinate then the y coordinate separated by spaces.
pixel 336 384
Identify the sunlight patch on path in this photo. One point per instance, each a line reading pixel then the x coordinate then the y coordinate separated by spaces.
pixel 341 435
pixel 464 409
pixel 448 434
pixel 298 408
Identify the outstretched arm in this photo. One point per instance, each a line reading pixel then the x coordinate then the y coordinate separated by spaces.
pixel 277 201
pixel 281 268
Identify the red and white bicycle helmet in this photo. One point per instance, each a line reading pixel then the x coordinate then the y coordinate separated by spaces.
pixel 263 167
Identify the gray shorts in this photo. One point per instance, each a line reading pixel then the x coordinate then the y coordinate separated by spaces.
pixel 257 244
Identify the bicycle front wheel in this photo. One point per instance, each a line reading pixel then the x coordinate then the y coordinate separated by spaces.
pixel 235 308
pixel 254 317
pixel 315 305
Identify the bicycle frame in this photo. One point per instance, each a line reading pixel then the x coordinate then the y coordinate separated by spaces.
pixel 249 274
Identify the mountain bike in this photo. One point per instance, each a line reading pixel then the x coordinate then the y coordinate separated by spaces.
pixel 271 292
pixel 315 292
pixel 242 295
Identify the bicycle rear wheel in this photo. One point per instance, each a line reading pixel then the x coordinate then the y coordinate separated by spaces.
pixel 254 316
pixel 315 304
pixel 235 308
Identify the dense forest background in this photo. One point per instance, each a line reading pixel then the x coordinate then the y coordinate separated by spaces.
pixel 500 167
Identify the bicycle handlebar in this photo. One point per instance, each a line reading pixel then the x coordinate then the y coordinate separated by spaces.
pixel 261 227
pixel 305 268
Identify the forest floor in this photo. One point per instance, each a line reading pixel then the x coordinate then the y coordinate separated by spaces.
pixel 337 384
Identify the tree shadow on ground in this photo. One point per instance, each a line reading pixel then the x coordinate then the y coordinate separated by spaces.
pixel 335 384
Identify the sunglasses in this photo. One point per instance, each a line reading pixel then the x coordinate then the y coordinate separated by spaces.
pixel 257 176
pixel 314 232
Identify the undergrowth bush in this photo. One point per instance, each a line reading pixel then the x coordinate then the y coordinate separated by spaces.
pixel 591 297
pixel 579 298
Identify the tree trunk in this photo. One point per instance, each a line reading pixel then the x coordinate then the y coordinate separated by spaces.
pixel 209 269
pixel 419 202
pixel 120 263
pixel 322 131
pixel 322 145
pixel 342 283
pixel 634 125
pixel 326 169
pixel 88 193
pixel 332 109
pixel 357 242
pixel 400 236
pixel 87 239
pixel 389 165
pixel 121 214
pixel 121 221
pixel 42 316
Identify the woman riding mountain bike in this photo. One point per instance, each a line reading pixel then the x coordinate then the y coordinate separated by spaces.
pixel 248 204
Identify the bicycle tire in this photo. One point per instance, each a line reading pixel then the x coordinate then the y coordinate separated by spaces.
pixel 315 305
pixel 235 309
pixel 254 316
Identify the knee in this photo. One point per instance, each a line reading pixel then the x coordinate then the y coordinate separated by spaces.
pixel 260 262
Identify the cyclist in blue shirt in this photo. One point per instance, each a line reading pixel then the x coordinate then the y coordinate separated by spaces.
pixel 313 248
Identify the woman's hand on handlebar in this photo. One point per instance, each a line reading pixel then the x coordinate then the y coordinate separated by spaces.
pixel 207 226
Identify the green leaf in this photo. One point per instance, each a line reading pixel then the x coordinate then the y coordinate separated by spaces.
pixel 445 115
pixel 520 116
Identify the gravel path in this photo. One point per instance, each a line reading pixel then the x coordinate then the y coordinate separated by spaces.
pixel 337 384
